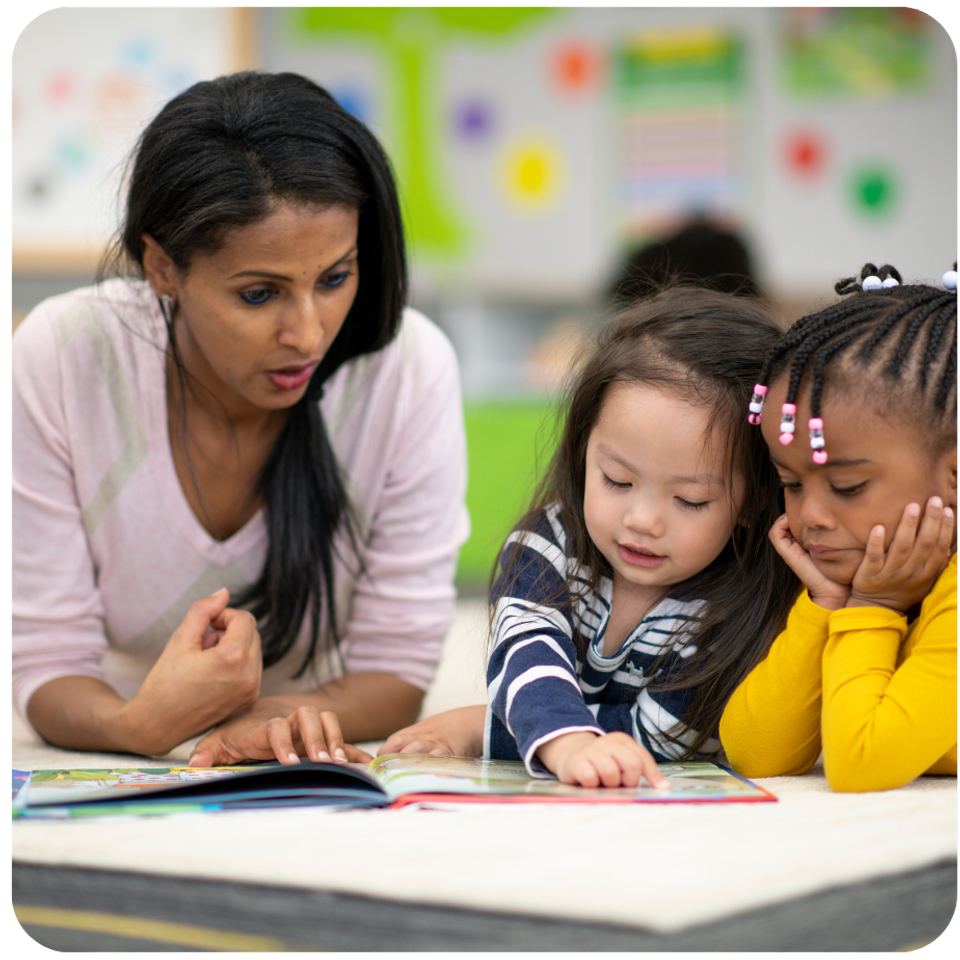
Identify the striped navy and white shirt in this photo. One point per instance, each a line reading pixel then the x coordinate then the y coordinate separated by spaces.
pixel 537 688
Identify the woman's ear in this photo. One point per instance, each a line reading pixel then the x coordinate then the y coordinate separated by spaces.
pixel 159 268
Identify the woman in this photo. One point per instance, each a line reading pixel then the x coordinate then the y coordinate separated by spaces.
pixel 253 410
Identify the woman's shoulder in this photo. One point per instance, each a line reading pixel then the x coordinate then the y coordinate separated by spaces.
pixel 101 312
pixel 417 368
pixel 421 352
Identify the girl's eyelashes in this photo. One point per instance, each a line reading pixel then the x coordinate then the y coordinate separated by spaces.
pixel 686 504
pixel 614 484
pixel 794 485
pixel 261 295
pixel 849 491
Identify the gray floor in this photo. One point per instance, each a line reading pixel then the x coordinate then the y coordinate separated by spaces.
pixel 892 913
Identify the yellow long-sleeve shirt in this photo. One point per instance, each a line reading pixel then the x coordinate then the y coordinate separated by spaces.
pixel 878 694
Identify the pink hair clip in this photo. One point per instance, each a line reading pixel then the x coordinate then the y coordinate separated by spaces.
pixel 756 404
pixel 787 425
pixel 817 442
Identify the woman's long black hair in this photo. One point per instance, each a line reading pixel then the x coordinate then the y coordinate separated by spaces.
pixel 220 156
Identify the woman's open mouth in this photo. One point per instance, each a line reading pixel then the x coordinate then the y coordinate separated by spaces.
pixel 292 377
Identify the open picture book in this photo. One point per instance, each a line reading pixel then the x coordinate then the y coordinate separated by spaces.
pixel 393 780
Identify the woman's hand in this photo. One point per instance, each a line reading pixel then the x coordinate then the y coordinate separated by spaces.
pixel 307 732
pixel 209 670
pixel 455 733
pixel 904 573
pixel 591 760
pixel 824 592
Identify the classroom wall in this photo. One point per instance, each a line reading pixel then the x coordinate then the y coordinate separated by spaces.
pixel 534 147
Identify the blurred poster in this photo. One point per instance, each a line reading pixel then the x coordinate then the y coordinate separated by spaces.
pixel 876 51
pixel 677 98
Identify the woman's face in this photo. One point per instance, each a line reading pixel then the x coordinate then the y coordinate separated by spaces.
pixel 255 318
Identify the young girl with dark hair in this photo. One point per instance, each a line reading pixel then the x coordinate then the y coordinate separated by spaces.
pixel 251 408
pixel 640 588
pixel 866 668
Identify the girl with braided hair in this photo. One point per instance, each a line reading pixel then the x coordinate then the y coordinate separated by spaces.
pixel 866 667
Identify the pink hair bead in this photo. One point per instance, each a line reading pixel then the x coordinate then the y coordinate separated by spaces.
pixel 787 425
pixel 756 404
pixel 817 443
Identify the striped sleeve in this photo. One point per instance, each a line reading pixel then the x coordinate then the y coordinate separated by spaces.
pixel 532 684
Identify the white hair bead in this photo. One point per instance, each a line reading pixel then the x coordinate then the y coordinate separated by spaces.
pixel 950 279
pixel 871 283
pixel 890 282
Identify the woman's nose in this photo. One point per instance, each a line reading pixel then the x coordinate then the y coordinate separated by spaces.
pixel 302 326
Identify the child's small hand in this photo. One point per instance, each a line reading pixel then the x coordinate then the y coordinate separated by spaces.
pixel 823 591
pixel 905 573
pixel 455 733
pixel 613 760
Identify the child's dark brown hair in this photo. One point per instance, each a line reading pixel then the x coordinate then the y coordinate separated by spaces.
pixel 709 348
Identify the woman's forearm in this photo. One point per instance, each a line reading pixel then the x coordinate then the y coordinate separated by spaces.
pixel 369 706
pixel 83 713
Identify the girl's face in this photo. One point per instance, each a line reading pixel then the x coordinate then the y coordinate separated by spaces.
pixel 657 496
pixel 255 317
pixel 875 467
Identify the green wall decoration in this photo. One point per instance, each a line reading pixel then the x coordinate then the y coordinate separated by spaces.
pixel 411 40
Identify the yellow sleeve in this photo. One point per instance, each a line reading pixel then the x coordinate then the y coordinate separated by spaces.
pixel 884 724
pixel 771 725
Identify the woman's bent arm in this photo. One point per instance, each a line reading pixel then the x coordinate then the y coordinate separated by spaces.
pixel 83 713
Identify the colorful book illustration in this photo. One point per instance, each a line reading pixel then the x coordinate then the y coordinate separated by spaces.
pixel 392 780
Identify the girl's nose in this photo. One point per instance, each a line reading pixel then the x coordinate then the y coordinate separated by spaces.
pixel 813 513
pixel 644 516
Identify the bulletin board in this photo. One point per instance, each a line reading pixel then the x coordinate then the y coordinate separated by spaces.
pixel 85 83
pixel 533 145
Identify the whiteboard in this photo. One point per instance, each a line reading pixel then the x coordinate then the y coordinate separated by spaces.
pixel 85 83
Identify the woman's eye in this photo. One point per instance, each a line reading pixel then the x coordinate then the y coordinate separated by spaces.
pixel 336 279
pixel 693 505
pixel 256 297
pixel 792 485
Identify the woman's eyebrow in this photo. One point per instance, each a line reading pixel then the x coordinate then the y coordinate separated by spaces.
pixel 266 274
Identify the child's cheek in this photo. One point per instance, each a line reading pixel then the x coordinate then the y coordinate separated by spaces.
pixel 842 569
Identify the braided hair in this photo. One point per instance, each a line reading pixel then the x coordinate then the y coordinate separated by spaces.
pixel 884 335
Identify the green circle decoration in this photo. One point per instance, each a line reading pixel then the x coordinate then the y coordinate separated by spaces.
pixel 874 190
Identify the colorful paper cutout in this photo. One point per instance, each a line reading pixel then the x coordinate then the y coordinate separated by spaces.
pixel 473 119
pixel 532 173
pixel 577 67
pixel 874 190
pixel 806 153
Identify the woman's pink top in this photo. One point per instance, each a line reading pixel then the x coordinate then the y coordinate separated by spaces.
pixel 107 553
